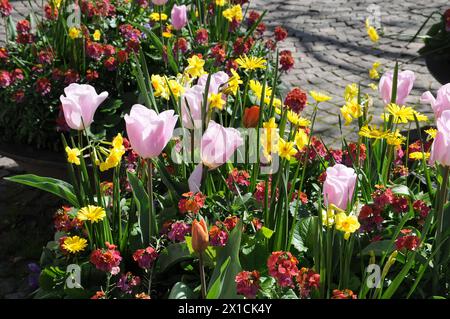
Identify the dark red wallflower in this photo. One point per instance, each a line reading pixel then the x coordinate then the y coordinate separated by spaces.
pixel 382 197
pixel 422 209
pixel 400 204
pixel 307 280
pixel 63 222
pixel 122 56
pixel 43 86
pixel 257 223
pixel 409 242
pixel 50 13
pixel 145 257
pixel 107 260
pixel 18 96
pixel 178 231
pixel 286 60
pixel 17 75
pixel 23 26
pixel 181 45
pixel 218 53
pixel 71 76
pixel 280 33
pixel 5 8
pixel 296 100
pixel 370 218
pixel 252 17
pixel 349 155
pixel 24 38
pixel 261 28
pixel 57 74
pixel 109 50
pixel 230 222
pixel 128 282
pixel 94 50
pixel 231 64
pixel 45 57
pixel 4 55
pixel 91 75
pixel 241 47
pixel 218 237
pixel 110 64
pixel 283 267
pixel 191 203
pixel 201 36
pixel 247 283
pixel 271 45
pixel 237 178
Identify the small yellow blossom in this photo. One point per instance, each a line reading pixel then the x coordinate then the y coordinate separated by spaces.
pixel 74 33
pixel 97 35
pixel 431 132
pixel 419 155
pixel 347 224
pixel 372 132
pixel 195 66
pixel 394 138
pixel 233 83
pixel 216 101
pixel 159 86
pixel 372 32
pixel 167 33
pixel 319 97
pixel 74 244
pixel 155 16
pixel 251 63
pixel 373 86
pixel 73 155
pixel 233 13
pixel 301 139
pixel 176 88
pixel 286 149
pixel 221 3
pixel 351 110
pixel 351 92
pixel 91 213
pixel 401 114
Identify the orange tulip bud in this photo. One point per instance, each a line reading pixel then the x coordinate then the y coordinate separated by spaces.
pixel 251 116
pixel 200 237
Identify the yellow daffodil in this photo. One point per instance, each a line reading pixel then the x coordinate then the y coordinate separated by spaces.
pixel 92 213
pixel 347 224
pixel 373 72
pixel 176 88
pixel 115 154
pixel 195 66
pixel 73 155
pixel 159 86
pixel 233 13
pixel 286 149
pixel 155 16
pixel 269 138
pixel 301 139
pixel 233 83
pixel 351 92
pixel 97 35
pixel 372 32
pixel 319 97
pixel 251 63
pixel 373 86
pixel 372 132
pixel 74 244
pixel 167 33
pixel 221 3
pixel 216 101
pixel 329 214
pixel 74 33
pixel 419 156
pixel 431 132
pixel 351 110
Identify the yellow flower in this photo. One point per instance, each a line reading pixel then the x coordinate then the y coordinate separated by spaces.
pixel 155 16
pixel 278 110
pixel 96 36
pixel 328 215
pixel 351 91
pixel 117 142
pixel 57 3
pixel 351 110
pixel 74 33
pixel 347 224
pixel 373 73
pixel 271 124
pixel 91 213
pixel 234 12
pixel 159 86
pixel 301 139
pixel 195 66
pixel 394 138
pixel 401 114
pixel 420 117
pixel 276 102
pixel 233 83
pixel 372 132
pixel 251 63
pixel 373 86
pixel 216 101
pixel 221 3
pixel 431 132
pixel 269 138
pixel 419 155
pixel 176 88
pixel 303 122
pixel 319 97
pixel 286 149
pixel 74 244
pixel 293 117
pixel 372 32
pixel 167 33
pixel 73 155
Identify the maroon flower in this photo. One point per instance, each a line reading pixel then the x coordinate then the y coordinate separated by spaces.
pixel 43 86
pixel 283 267
pixel 91 75
pixel 247 283
pixel 280 34
pixel 409 242
pixel 107 260
pixel 286 60
pixel 5 8
pixel 145 257
pixel 50 13
pixel 18 96
pixel 5 79
pixel 4 55
pixel 23 26
pixel 201 36
pixel 307 280
pixel 71 76
pixel 178 231
pixel 296 100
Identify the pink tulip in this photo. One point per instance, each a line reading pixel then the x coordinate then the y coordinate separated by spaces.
pixel 191 107
pixel 339 186
pixel 149 132
pixel 218 144
pixel 179 17
pixel 439 104
pixel 217 80
pixel 440 150
pixel 405 84
pixel 79 105
pixel 159 2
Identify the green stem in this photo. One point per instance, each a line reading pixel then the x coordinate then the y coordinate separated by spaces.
pixel 150 196
pixel 202 275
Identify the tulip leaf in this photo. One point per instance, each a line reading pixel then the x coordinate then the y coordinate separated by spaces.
pixel 173 254
pixel 52 185
pixel 181 291
pixel 378 247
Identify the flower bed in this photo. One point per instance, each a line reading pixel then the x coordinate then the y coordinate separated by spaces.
pixel 221 189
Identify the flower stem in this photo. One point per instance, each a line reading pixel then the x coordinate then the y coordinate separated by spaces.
pixel 202 275
pixel 150 273
pixel 150 196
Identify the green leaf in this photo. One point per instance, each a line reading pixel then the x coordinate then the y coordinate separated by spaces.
pixel 378 247
pixel 267 233
pixel 142 203
pixel 173 254
pixel 228 254
pixel 48 184
pixel 181 291
pixel 216 286
pixel 401 190
pixel 303 234
pixel 290 294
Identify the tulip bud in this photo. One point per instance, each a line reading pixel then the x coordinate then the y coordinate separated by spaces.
pixel 251 116
pixel 200 237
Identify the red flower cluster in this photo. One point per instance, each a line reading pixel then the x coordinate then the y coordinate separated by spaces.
pixel 5 79
pixel 370 218
pixel 218 237
pixel 343 294
pixel 283 267
pixel 107 260
pixel 102 8
pixel 261 190
pixel 145 257
pixel 237 178
pixel 247 283
pixel 408 241
pixel 5 8
pixel 286 60
pixel 241 47
pixel 4 55
pixel 296 100
pixel 349 156
pixel 192 203
pixel 51 13
pixel 178 231
pixel 201 36
pixel 421 208
pixel 63 222
pixel 24 36
pixel 280 34
pixel 307 280
pixel 218 53
pixel 128 282
pixel 43 86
